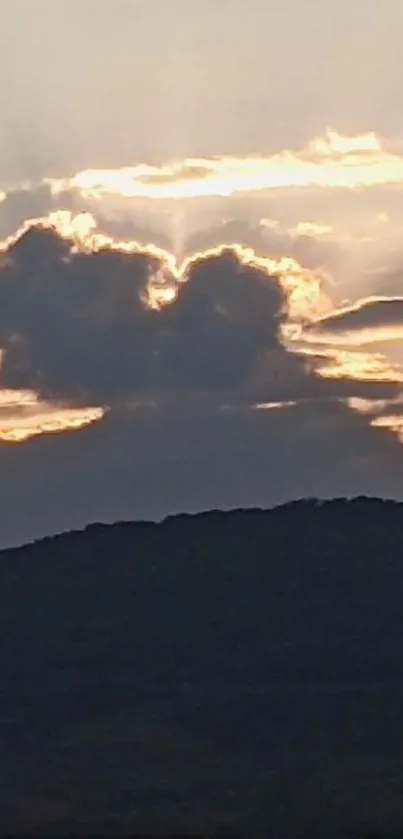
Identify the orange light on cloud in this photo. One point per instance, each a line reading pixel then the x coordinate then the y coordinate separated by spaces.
pixel 390 422
pixel 335 363
pixel 381 413
pixel 342 326
pixel 334 161
pixel 23 416
pixel 311 228
pixel 274 406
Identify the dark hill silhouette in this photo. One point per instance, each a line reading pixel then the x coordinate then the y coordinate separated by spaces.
pixel 235 674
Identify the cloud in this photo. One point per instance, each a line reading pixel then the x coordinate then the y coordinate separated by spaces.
pixel 84 317
pixel 356 366
pixel 365 322
pixel 226 317
pixel 88 323
pixel 75 324
pixel 23 416
pixel 301 213
pixel 333 161
pixel 270 236
pixel 311 228
pixel 385 414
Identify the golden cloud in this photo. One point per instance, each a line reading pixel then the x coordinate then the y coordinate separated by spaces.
pixel 23 416
pixel 334 161
pixel 335 363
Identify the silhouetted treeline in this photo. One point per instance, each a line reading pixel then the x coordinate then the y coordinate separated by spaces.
pixel 230 674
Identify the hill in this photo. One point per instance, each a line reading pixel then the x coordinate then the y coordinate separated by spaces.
pixel 236 674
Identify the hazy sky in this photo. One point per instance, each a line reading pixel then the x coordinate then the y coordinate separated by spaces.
pixel 95 82
pixel 201 297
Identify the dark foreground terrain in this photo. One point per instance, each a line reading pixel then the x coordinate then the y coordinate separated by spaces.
pixel 238 674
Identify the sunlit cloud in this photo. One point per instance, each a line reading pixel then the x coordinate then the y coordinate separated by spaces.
pixel 23 416
pixel 384 414
pixel 274 406
pixel 337 363
pixel 368 406
pixel 390 422
pixel 374 319
pixel 269 223
pixel 334 161
pixel 311 228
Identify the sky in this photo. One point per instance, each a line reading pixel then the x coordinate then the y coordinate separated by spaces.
pixel 201 299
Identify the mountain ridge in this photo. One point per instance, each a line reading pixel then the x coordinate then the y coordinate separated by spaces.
pixel 312 503
pixel 224 673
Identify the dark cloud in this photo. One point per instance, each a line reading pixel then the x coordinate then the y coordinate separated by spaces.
pixel 226 317
pixel 75 326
